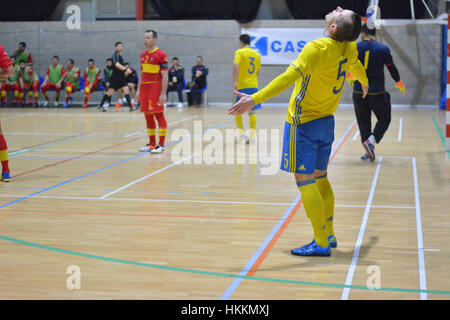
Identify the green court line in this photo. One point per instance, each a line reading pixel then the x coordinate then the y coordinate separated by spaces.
pixel 45 146
pixel 210 273
pixel 441 135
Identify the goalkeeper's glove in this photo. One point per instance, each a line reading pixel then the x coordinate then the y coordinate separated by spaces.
pixel 400 86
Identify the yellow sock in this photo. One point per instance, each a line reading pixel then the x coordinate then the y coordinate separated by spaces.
pixel 239 124
pixel 315 210
pixel 3 155
pixel 252 122
pixel 328 198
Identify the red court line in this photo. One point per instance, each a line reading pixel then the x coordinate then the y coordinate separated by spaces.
pixel 286 222
pixel 74 158
pixel 133 215
pixel 77 157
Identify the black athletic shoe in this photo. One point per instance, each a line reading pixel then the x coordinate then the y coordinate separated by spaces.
pixel 370 150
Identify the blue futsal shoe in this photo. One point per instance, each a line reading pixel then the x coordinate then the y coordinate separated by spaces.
pixel 312 249
pixel 332 241
pixel 6 177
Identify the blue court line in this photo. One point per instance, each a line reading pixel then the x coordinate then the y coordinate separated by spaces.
pixel 235 284
pixel 243 274
pixel 98 170
pixel 175 192
pixel 211 273
pixel 209 193
pixel 68 181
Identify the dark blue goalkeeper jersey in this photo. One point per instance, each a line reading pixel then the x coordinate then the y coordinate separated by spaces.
pixel 374 56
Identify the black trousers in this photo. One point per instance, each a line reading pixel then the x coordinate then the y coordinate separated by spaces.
pixel 380 104
pixel 194 96
pixel 178 89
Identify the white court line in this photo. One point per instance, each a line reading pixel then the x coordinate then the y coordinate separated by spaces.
pixel 352 268
pixel 189 201
pixel 184 119
pixel 400 126
pixel 149 175
pixel 422 273
pixel 356 135
pixel 236 282
pixel 133 133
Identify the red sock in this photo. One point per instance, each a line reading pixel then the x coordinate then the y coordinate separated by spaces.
pixel 162 127
pixel 3 154
pixel 151 128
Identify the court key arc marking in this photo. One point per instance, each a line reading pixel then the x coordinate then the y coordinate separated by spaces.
pixel 211 273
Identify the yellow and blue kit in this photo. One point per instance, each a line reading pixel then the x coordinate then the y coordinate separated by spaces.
pixel 249 62
pixel 319 73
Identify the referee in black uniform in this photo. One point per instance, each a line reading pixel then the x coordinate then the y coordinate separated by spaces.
pixel 373 56
pixel 118 78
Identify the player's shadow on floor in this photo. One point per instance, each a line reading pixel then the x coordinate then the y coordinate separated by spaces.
pixel 338 256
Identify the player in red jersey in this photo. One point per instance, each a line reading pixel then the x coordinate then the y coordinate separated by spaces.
pixel 152 90
pixel 6 70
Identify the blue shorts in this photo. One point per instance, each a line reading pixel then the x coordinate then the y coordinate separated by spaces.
pixel 307 147
pixel 249 91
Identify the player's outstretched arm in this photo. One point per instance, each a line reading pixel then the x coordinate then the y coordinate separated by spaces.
pixel 275 87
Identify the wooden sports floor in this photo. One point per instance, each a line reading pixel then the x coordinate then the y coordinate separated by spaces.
pixel 140 226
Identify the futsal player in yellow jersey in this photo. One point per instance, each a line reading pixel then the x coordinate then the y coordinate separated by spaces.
pixel 319 73
pixel 247 63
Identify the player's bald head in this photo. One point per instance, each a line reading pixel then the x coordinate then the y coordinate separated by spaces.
pixel 344 25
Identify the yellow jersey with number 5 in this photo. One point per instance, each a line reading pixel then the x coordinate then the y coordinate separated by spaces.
pixel 249 62
pixel 322 67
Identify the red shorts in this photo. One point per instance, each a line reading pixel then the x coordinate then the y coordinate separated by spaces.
pixel 50 86
pixel 10 87
pixel 94 88
pixel 29 86
pixel 149 96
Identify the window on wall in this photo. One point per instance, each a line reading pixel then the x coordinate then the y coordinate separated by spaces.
pixel 115 9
